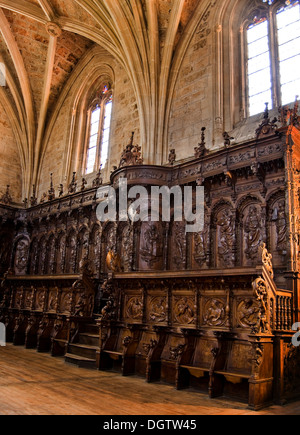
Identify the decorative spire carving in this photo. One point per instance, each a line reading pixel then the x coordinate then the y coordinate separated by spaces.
pixel 172 157
pixel 98 180
pixel 267 126
pixel 201 150
pixel 73 186
pixel 33 199
pixel 132 154
pixel 6 198
pixel 83 185
pixel 51 191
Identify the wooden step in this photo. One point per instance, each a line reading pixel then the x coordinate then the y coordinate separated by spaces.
pixel 80 361
pixel 91 329
pixel 83 350
pixel 89 339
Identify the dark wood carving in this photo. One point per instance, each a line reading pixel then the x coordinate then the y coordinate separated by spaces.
pixel 211 310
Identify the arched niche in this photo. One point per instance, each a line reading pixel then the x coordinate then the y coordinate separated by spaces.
pixel 21 255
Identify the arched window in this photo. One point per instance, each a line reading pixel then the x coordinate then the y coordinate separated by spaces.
pixel 273 55
pixel 99 121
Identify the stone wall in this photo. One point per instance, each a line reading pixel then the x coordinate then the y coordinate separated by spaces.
pixel 125 120
pixel 10 165
pixel 192 102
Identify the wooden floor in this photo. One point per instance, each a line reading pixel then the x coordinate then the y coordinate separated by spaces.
pixel 37 384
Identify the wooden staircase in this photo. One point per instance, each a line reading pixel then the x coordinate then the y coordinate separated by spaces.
pixel 83 351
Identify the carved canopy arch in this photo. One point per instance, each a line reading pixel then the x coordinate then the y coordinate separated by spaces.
pixel 218 207
pixel 272 199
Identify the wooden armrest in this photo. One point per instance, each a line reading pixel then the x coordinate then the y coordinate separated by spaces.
pixel 233 374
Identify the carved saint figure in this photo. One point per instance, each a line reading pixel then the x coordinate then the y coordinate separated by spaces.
pixel 152 247
pixel 253 233
pixel 127 248
pixel 179 256
pixel 80 307
pixel 226 238
pixel 22 255
pixel 261 293
pixel 72 253
pixel 113 262
pixel 281 226
pixel 201 241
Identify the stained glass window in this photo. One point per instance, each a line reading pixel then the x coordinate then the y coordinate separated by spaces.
pixel 99 131
pixel 273 56
pixel 288 27
pixel 259 67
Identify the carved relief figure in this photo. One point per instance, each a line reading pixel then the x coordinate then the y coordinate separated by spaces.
pixel 226 238
pixel 215 313
pixel 96 249
pixel 83 248
pixel 51 255
pixel 201 243
pixel 261 293
pixel 81 305
pixel 43 256
pixel 52 304
pixel 134 309
pixel 279 217
pixel 66 303
pixel 152 249
pixel 127 249
pixel 40 300
pixel 158 310
pixel 21 256
pixel 72 251
pixel 61 253
pixel 253 233
pixel 247 313
pixel 184 311
pixel 179 237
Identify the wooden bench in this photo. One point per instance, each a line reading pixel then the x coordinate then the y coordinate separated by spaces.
pixel 148 355
pixel 196 362
pixel 118 351
pixel 233 367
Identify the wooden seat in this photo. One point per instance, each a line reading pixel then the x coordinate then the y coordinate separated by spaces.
pixel 196 362
pixel 119 349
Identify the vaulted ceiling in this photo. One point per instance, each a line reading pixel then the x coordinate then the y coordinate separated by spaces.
pixel 43 40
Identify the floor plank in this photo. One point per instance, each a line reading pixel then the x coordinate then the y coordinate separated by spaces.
pixel 37 384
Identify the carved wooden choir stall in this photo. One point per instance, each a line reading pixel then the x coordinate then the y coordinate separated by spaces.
pixel 212 310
